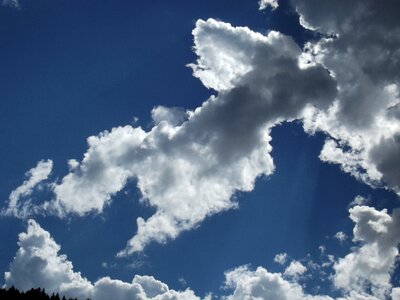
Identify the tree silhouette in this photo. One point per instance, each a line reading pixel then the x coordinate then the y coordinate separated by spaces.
pixel 33 294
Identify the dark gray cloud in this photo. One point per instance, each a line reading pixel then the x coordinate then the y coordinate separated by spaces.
pixel 363 54
pixel 387 157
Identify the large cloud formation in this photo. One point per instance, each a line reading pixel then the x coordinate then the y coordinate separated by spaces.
pixel 191 164
pixel 362 53
pixel 190 170
pixel 364 273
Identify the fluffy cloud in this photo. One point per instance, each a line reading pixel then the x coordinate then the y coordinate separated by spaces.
pixel 172 115
pixel 263 4
pixel 262 284
pixel 189 165
pixel 19 203
pixel 295 269
pixel 369 267
pixel 363 274
pixel 362 54
pixel 340 236
pixel 38 264
pixel 395 294
pixel 281 258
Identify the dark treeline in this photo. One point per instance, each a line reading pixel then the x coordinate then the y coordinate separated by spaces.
pixel 33 294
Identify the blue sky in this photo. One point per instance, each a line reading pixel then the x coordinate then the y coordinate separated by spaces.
pixel 270 164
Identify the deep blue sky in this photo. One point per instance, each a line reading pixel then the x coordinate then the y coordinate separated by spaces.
pixel 69 70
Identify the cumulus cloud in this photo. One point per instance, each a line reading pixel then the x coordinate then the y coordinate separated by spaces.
pixel 361 51
pixel 264 4
pixel 363 274
pixel 369 267
pixel 19 203
pixel 395 294
pixel 190 164
pixel 281 258
pixel 38 264
pixel 340 236
pixel 262 284
pixel 295 269
pixel 172 115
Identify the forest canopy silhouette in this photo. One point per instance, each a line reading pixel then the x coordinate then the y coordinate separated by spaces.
pixel 33 294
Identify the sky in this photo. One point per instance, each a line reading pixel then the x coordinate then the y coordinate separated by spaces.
pixel 200 149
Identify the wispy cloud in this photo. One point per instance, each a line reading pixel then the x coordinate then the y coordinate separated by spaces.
pixel 10 3
pixel 19 203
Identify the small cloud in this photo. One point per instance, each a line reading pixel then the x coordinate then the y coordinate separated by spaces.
pixel 10 3
pixel 359 200
pixel 137 264
pixel 134 120
pixel 72 164
pixel 340 236
pixel 107 265
pixel 295 269
pixel 264 4
pixel 182 281
pixel 19 203
pixel 280 258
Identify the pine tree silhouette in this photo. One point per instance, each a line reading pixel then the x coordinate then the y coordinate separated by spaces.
pixel 33 294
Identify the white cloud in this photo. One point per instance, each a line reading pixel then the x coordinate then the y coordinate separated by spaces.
pixel 363 274
pixel 369 267
pixel 295 269
pixel 359 200
pixel 364 121
pixel 191 170
pixel 264 4
pixel 172 115
pixel 38 264
pixel 395 294
pixel 281 258
pixel 191 164
pixel 340 236
pixel 262 284
pixel 19 204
